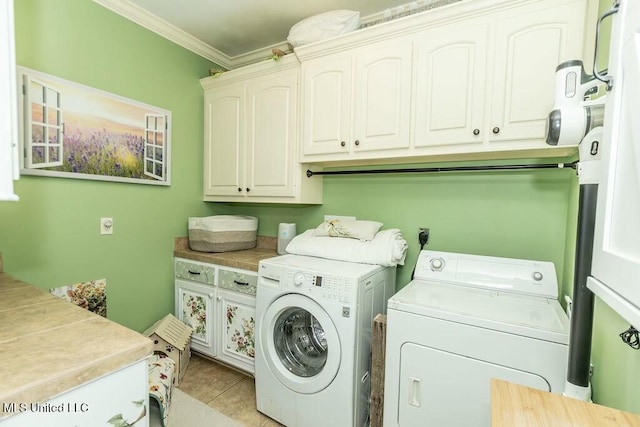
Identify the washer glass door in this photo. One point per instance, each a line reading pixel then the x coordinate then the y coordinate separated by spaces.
pixel 301 343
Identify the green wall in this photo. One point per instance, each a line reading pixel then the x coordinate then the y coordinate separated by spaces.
pixel 512 214
pixel 50 238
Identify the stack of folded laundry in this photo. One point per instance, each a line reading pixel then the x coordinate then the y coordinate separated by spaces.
pixel 353 241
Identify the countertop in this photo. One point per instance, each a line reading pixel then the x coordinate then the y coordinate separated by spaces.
pixel 517 405
pixel 246 260
pixel 48 345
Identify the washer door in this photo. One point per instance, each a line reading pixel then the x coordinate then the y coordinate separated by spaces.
pixel 300 343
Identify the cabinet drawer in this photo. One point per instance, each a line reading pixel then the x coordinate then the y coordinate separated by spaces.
pixel 195 271
pixel 244 282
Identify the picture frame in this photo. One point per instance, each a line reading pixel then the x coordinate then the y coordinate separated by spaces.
pixel 70 130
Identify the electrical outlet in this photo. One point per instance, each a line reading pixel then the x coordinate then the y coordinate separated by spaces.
pixel 106 225
pixel 423 235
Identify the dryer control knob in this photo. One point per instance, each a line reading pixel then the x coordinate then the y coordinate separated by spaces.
pixel 298 279
pixel 437 264
pixel 537 276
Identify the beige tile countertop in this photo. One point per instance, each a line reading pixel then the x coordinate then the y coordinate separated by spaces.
pixel 247 259
pixel 49 346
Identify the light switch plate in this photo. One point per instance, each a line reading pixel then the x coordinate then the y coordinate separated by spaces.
pixel 106 225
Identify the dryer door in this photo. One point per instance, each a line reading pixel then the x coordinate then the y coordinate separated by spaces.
pixel 300 343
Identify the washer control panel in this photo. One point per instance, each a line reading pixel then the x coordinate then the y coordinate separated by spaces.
pixel 325 286
pixel 520 276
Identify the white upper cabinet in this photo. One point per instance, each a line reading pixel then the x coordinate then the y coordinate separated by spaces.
pixel 492 79
pixel 224 141
pixel 251 136
pixel 382 101
pixel 463 81
pixel 327 106
pixel 451 85
pixel 359 100
pixel 8 103
pixel 530 42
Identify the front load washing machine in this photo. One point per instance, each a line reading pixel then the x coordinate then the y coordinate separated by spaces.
pixel 313 338
pixel 463 320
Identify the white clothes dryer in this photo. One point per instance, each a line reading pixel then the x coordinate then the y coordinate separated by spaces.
pixel 313 338
pixel 463 320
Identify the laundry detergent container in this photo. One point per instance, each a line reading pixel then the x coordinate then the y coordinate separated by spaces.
pixel 222 233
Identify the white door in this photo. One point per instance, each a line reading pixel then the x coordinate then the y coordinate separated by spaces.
pixel 224 141
pixel 271 135
pixel 194 306
pixel 451 85
pixel 616 256
pixel 300 343
pixel 236 329
pixel 439 388
pixel 529 47
pixel 382 101
pixel 326 108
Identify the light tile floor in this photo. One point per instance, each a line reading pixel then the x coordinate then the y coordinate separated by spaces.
pixel 225 390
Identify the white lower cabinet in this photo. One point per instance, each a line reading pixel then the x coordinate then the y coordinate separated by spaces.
pixel 219 304
pixel 236 345
pixel 195 308
pixel 120 398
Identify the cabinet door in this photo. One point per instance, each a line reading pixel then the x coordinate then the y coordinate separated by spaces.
pixel 616 252
pixel 194 306
pixel 326 105
pixel 382 103
pixel 236 313
pixel 530 43
pixel 451 85
pixel 271 135
pixel 224 141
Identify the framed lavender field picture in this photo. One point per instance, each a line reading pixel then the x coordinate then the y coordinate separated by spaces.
pixel 69 130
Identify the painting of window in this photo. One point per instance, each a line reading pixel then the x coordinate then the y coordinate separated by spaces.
pixel 73 131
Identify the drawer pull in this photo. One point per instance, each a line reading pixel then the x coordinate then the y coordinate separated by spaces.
pixel 238 282
pixel 197 273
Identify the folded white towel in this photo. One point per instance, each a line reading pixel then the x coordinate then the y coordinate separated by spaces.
pixel 388 248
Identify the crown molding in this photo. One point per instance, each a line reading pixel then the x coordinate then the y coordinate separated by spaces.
pixel 136 14
pixel 151 22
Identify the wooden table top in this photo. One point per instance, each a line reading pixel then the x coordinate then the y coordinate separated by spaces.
pixel 514 405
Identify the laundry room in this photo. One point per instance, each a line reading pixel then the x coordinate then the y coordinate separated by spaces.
pixel 479 205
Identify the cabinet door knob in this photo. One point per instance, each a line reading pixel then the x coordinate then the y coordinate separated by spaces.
pixel 476 131
pixel 496 129
pixel 219 298
pixel 357 142
pixel 239 190
pixel 342 144
pixel 248 189
pixel 211 296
